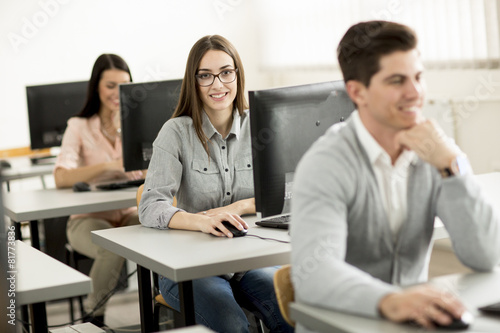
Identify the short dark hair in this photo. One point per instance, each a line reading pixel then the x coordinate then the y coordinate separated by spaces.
pixel 363 45
pixel 103 62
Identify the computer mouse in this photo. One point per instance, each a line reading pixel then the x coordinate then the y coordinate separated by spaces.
pixel 235 231
pixel 455 325
pixel 4 164
pixel 81 187
pixel 458 323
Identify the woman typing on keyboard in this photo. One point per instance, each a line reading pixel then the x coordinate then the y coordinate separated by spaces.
pixel 202 156
pixel 91 151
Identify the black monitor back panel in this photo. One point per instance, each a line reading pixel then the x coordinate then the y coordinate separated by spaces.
pixel 145 107
pixel 284 124
pixel 49 108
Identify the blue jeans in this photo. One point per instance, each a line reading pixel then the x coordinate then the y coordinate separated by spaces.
pixel 217 301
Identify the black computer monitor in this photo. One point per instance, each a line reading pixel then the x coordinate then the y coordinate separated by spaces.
pixel 284 124
pixel 145 107
pixel 49 108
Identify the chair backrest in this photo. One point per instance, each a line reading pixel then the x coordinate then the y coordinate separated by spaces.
pixel 284 292
pixel 138 195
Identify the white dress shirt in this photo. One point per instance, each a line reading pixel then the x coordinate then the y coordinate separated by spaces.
pixel 392 179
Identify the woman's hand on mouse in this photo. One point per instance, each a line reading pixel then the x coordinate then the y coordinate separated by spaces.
pixel 207 221
pixel 213 221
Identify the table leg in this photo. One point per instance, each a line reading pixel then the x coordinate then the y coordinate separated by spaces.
pixel 186 298
pixel 145 299
pixel 38 316
pixel 17 230
pixel 25 316
pixel 35 237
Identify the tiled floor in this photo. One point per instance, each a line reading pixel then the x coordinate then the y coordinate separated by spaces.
pixel 122 314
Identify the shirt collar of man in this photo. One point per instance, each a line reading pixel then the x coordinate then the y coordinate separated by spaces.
pixel 375 151
pixel 210 130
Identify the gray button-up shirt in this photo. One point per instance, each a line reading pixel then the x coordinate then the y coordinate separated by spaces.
pixel 180 167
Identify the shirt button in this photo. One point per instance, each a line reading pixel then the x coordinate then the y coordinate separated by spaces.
pixel 204 169
pixel 249 165
pixel 227 170
pixel 223 147
pixel 228 193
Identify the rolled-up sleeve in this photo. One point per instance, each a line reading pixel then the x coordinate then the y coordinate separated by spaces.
pixel 162 180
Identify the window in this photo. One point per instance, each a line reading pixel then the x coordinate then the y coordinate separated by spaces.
pixel 452 33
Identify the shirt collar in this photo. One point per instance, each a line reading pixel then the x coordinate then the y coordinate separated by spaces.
pixel 374 150
pixel 210 130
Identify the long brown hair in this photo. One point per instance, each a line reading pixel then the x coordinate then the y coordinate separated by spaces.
pixel 190 103
pixel 103 62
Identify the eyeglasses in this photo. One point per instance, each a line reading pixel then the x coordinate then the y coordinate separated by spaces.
pixel 207 79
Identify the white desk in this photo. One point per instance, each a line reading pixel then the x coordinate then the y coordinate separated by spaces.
pixel 475 289
pixel 183 256
pixel 49 203
pixel 41 278
pixel 25 170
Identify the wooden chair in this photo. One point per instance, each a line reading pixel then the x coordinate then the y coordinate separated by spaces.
pixel 284 292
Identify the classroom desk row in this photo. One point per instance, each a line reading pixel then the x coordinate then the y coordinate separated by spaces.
pixel 203 255
pixel 41 278
pixel 21 170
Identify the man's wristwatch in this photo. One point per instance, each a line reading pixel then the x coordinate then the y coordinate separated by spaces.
pixel 459 166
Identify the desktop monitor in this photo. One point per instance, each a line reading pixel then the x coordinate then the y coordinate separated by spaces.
pixel 145 107
pixel 49 108
pixel 284 124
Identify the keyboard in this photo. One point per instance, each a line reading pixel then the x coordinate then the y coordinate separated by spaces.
pixel 281 222
pixel 120 184
pixel 491 308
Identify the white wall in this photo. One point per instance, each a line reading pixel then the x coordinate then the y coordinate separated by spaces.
pixel 48 41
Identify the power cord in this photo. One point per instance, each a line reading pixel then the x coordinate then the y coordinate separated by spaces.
pixel 265 238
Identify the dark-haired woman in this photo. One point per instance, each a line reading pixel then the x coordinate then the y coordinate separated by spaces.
pixel 91 151
pixel 202 156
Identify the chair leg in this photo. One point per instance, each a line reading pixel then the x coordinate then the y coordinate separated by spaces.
pixel 71 307
pixel 259 325
pixel 71 311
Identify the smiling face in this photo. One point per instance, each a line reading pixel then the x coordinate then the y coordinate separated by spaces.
pixel 109 94
pixel 218 97
pixel 393 101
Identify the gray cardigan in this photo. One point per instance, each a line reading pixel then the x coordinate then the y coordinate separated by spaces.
pixel 343 253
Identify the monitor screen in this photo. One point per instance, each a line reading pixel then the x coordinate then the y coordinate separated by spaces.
pixel 284 124
pixel 49 108
pixel 144 108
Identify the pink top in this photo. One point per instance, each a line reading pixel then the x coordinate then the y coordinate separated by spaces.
pixel 84 144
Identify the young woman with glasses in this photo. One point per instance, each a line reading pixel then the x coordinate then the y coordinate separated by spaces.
pixel 202 156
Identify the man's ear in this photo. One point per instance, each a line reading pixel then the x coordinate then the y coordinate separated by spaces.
pixel 356 91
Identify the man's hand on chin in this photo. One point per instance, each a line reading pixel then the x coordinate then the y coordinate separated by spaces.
pixel 429 142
